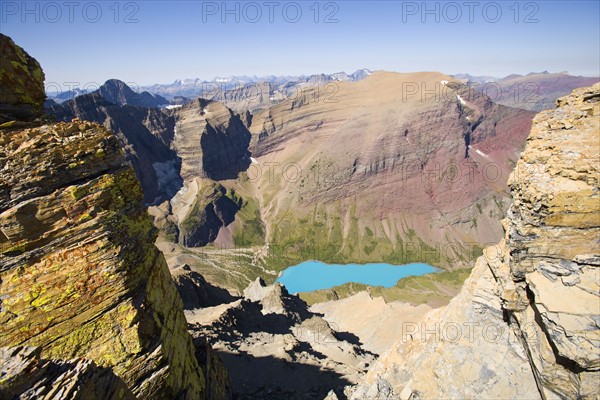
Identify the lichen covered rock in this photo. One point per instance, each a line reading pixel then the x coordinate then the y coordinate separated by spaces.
pixel 21 83
pixel 80 276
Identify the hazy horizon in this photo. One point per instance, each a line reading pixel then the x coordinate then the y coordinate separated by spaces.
pixel 153 42
pixel 136 86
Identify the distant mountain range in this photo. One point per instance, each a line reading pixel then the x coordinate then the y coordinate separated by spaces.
pixel 535 91
pixel 465 77
pixel 264 91
pixel 173 93
pixel 235 80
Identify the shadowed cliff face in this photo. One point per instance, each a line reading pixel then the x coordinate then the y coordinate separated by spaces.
pixel 25 376
pixel 169 149
pixel 525 324
pixel 21 83
pixel 144 133
pixel 211 140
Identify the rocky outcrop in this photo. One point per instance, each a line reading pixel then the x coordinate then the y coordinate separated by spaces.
pixel 462 351
pixel 195 291
pixel 529 311
pixel 27 377
pixel 553 237
pixel 274 348
pixel 21 83
pixel 88 308
pixel 80 275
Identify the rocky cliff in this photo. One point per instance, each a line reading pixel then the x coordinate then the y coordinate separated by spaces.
pixel 145 133
pixel 176 154
pixel 80 274
pixel 21 83
pixel 525 324
pixel 80 277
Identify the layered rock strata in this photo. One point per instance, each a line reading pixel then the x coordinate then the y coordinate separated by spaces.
pixel 80 275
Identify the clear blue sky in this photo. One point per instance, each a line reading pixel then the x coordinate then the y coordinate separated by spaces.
pixel 168 40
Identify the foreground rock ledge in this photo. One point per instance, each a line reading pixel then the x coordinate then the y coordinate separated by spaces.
pixel 525 324
pixel 80 276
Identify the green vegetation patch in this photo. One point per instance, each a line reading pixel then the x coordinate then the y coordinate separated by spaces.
pixel 435 289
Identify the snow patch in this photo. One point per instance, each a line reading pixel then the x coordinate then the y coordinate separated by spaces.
pixel 254 160
pixel 172 106
pixel 167 178
pixel 165 172
pixel 461 100
pixel 444 83
pixel 482 154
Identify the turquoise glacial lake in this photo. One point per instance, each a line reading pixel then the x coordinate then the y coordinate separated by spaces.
pixel 314 275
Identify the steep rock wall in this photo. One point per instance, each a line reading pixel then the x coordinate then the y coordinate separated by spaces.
pixel 145 134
